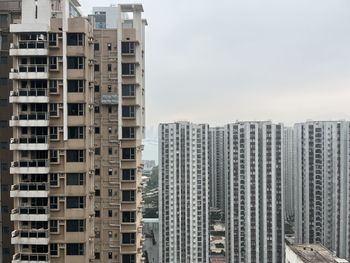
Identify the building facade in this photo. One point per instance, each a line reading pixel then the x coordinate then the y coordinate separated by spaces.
pixel 288 174
pixel 322 186
pixel 217 168
pixel 77 135
pixel 183 193
pixel 254 192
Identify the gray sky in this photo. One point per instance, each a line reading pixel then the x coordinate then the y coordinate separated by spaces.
pixel 223 60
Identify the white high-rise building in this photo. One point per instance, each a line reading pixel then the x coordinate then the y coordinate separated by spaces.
pixel 183 193
pixel 322 207
pixel 216 168
pixel 288 173
pixel 254 192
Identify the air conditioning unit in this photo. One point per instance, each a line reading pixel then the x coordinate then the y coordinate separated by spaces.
pixel 90 39
pixel 60 105
pixel 60 129
pixel 91 172
pixel 91 106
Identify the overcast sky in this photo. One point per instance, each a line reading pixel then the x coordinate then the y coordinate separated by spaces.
pixel 222 60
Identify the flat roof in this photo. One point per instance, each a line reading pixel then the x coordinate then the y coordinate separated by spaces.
pixel 315 253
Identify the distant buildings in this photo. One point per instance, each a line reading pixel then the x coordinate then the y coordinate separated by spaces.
pixel 151 245
pixel 254 192
pixel 322 185
pixel 183 193
pixel 310 253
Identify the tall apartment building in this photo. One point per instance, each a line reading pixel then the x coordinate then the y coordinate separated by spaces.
pixel 183 193
pixel 288 173
pixel 254 207
pixel 119 129
pixel 322 214
pixel 9 11
pixel 216 168
pixel 76 138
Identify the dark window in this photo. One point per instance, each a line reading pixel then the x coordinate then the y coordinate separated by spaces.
pixel 97 88
pixel 97 130
pixel 97 213
pixel 110 213
pixel 97 192
pixel 128 153
pixel 75 132
pixel 96 46
pixel 128 69
pixel 3 82
pixel 75 178
pixel 75 156
pixel 97 67
pixel 75 62
pixel 109 46
pixel 54 249
pixel 128 174
pixel 75 249
pixel 75 39
pixel 129 258
pixel 128 238
pixel 129 216
pixel 109 87
pixel 97 171
pixel 128 132
pixel 97 255
pixel 97 109
pixel 128 47
pixel 128 111
pixel 109 67
pixel 75 202
pixel 75 85
pixel 75 226
pixel 128 90
pixel 128 195
pixel 75 109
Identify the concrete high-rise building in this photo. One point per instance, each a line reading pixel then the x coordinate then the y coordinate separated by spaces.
pixel 322 194
pixel 216 168
pixel 77 136
pixel 254 192
pixel 183 193
pixel 288 173
pixel 9 11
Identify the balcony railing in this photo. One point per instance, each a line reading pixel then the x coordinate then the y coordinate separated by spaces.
pixel 30 187
pixel 31 116
pixel 34 233
pixel 30 44
pixel 31 163
pixel 31 210
pixel 29 92
pixel 30 139
pixel 29 257
pixel 32 68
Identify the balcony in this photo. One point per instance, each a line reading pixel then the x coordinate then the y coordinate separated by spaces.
pixel 30 167
pixel 30 258
pixel 30 71
pixel 29 48
pixel 29 96
pixel 39 119
pixel 32 213
pixel 28 143
pixel 30 190
pixel 30 237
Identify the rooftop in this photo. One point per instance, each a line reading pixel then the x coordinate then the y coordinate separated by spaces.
pixel 312 253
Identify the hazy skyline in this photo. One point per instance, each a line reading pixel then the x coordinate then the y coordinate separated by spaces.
pixel 219 61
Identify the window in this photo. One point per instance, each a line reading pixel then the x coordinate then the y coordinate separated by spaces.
pixel 54 249
pixel 109 67
pixel 4 124
pixel 128 238
pixel 110 109
pixel 128 195
pixel 128 174
pixel 75 156
pixel 128 111
pixel 53 202
pixel 97 67
pixel 75 226
pixel 97 88
pixel 129 216
pixel 53 86
pixel 75 109
pixel 128 132
pixel 128 90
pixel 97 130
pixel 110 151
pixel 75 178
pixel 129 258
pixel 53 63
pixel 3 82
pixel 128 47
pixel 75 39
pixel 109 87
pixel 110 213
pixel 96 46
pixel 75 202
pixel 53 133
pixel 75 62
pixel 53 110
pixel 97 192
pixel 97 151
pixel 97 255
pixel 97 171
pixel 53 179
pixel 110 192
pixel 54 156
pixel 110 255
pixel 75 85
pixel 97 213
pixel 53 226
pixel 109 46
pixel 75 249
pixel 128 69
pixel 110 172
pixel 53 39
pixel 128 153
pixel 75 132
pixel 3 60
pixel 97 109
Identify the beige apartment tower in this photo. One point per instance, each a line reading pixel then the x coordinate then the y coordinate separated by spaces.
pixel 76 135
